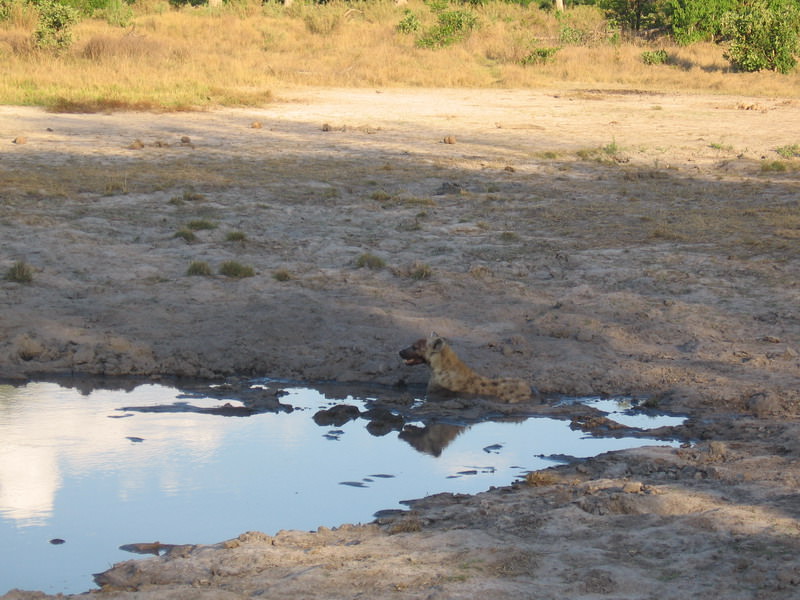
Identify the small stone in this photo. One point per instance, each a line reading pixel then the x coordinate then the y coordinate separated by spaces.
pixel 186 140
pixel 136 145
pixel 20 139
pixel 257 125
pixel 449 139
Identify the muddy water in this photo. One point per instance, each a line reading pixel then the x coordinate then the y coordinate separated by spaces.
pixel 83 473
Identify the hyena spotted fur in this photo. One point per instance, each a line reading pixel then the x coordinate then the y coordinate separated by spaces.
pixel 450 374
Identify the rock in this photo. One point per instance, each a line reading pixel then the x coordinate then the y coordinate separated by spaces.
pixel 336 415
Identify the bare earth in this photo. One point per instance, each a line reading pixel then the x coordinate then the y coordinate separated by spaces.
pixel 589 241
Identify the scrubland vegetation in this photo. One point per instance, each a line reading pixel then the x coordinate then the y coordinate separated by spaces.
pixel 90 55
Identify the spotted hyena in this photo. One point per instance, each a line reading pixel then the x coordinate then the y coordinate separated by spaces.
pixel 449 374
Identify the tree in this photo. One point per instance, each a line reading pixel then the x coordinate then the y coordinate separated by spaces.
pixel 696 20
pixel 54 29
pixel 763 35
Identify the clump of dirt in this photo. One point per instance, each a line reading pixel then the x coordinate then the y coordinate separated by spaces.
pixel 588 242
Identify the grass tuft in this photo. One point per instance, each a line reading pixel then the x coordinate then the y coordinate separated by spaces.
pixel 19 272
pixel 235 236
pixel 235 270
pixel 281 275
pixel 420 271
pixel 774 166
pixel 186 235
pixel 370 261
pixel 200 268
pixel 200 224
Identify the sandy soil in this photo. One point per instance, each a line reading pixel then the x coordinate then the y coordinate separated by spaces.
pixel 590 241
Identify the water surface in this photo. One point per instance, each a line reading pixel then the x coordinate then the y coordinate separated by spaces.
pixel 78 468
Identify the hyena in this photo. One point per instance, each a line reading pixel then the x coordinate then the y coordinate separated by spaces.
pixel 449 374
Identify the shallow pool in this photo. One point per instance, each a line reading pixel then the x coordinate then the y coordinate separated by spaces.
pixel 80 475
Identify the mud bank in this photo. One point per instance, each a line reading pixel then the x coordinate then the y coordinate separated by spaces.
pixel 587 241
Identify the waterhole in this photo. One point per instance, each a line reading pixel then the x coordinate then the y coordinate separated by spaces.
pixel 84 471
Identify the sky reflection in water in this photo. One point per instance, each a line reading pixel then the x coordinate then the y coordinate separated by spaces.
pixel 76 468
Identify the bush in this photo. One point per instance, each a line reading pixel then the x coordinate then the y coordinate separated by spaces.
pixel 763 35
pixel 697 20
pixel 789 151
pixel 539 56
pixel 452 26
pixel 655 57
pixel 409 23
pixel 54 30
pixel 635 16
pixel 117 13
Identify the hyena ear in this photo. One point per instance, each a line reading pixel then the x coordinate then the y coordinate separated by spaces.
pixel 437 343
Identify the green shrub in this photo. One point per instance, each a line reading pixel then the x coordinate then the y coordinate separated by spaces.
pixel 697 20
pixel 452 26
pixel 655 57
pixel 567 34
pixel 789 151
pixel 634 16
pixel 774 166
pixel 54 29
pixel 117 13
pixel 763 35
pixel 409 23
pixel 20 272
pixel 539 56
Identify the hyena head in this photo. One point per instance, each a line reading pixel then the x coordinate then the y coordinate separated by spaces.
pixel 421 351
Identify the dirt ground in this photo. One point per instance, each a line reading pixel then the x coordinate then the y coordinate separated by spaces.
pixel 590 241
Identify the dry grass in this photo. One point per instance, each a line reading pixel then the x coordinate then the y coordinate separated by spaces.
pixel 234 55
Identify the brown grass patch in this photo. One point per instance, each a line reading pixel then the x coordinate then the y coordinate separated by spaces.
pixel 249 48
pixel 99 105
pixel 127 47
